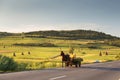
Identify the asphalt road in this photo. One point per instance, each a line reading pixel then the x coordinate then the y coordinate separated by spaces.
pixel 97 71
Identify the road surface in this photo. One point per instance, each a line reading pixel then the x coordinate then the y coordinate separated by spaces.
pixel 97 71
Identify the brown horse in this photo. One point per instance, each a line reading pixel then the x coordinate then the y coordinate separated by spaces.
pixel 65 59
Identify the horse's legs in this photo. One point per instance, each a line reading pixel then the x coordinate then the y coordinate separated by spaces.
pixel 70 63
pixel 67 63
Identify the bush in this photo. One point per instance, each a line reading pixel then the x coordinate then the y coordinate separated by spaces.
pixel 35 44
pixel 22 66
pixel 83 52
pixel 93 47
pixel 118 56
pixel 7 64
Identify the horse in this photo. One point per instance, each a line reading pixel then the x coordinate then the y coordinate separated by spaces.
pixel 68 61
pixel 65 59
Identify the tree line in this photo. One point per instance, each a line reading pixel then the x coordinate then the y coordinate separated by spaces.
pixel 71 34
pixel 113 42
pixel 63 34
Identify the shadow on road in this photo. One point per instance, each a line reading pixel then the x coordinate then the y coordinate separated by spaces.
pixel 101 68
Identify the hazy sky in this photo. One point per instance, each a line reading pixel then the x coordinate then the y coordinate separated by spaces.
pixel 35 15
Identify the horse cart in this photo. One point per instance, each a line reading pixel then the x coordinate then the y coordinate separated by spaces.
pixel 69 62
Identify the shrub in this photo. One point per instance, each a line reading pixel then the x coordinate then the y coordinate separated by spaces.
pixel 118 56
pixel 35 44
pixel 7 64
pixel 71 50
pixel 22 66
pixel 83 52
pixel 93 47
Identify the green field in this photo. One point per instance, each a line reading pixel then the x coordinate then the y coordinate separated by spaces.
pixel 87 49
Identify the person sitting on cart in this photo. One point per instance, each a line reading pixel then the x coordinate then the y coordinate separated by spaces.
pixel 72 56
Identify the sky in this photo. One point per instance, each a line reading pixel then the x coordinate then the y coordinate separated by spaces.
pixel 36 15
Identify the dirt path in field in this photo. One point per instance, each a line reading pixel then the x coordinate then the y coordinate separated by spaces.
pixel 1 52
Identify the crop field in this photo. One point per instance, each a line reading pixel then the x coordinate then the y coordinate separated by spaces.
pixel 35 51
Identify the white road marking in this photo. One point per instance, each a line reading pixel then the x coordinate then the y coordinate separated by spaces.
pixel 57 77
pixel 93 70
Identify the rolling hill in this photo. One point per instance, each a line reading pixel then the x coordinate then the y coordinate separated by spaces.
pixel 71 34
pixel 63 34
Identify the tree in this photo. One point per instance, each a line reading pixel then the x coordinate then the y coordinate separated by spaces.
pixel 7 64
pixel 23 35
pixel 71 50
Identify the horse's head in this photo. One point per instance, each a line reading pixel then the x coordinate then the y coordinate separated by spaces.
pixel 62 53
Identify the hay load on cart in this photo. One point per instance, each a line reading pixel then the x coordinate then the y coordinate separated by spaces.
pixel 76 62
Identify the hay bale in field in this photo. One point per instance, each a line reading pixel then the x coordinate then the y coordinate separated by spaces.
pixel 29 53
pixel 14 54
pixel 22 53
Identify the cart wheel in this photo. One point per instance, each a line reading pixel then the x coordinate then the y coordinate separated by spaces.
pixel 75 65
pixel 80 64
